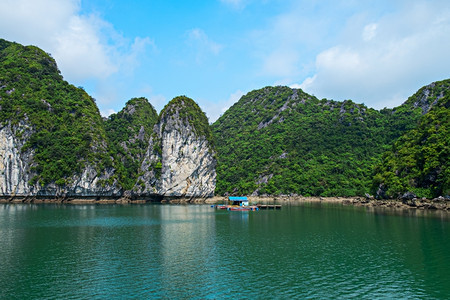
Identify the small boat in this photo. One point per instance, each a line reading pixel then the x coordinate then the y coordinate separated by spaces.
pixel 221 206
pixel 241 208
pixel 237 204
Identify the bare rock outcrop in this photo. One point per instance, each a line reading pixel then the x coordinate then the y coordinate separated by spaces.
pixel 17 172
pixel 180 159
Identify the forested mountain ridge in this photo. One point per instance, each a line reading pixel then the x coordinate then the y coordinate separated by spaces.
pixel 54 142
pixel 428 96
pixel 278 140
pixel 275 140
pixel 128 132
pixel 56 126
pixel 419 161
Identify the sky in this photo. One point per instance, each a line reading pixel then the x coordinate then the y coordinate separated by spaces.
pixel 374 52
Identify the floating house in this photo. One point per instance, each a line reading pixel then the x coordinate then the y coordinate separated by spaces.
pixel 242 203
pixel 238 201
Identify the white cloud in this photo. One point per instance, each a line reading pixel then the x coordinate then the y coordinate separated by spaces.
pixel 289 38
pixel 107 113
pixel 295 86
pixel 376 56
pixel 282 62
pixel 389 61
pixel 215 110
pixel 138 48
pixel 79 51
pixel 202 44
pixel 305 85
pixel 34 21
pixel 84 46
pixel 369 32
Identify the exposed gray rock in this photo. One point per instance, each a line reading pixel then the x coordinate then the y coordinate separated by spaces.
pixel 368 196
pixel 425 99
pixel 381 192
pixel 178 162
pixel 408 196
pixel 14 164
pixel 283 155
pixel 16 171
pixel 439 199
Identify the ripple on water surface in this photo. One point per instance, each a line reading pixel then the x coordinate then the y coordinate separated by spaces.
pixel 164 251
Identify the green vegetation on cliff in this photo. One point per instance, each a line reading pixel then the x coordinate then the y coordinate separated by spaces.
pixel 189 111
pixel 128 133
pixel 67 127
pixel 177 145
pixel 281 140
pixel 418 161
pixel 275 140
pixel 65 130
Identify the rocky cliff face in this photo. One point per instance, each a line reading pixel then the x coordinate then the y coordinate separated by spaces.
pixel 17 171
pixel 55 144
pixel 14 166
pixel 90 183
pixel 52 139
pixel 180 160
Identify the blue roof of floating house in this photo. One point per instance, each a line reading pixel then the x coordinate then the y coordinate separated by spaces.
pixel 237 198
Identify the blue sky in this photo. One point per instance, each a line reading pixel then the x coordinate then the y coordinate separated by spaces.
pixel 373 52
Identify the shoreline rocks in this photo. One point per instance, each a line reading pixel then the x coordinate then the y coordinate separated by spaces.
pixel 439 203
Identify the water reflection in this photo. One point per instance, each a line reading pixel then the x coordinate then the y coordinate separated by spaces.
pixel 187 250
pixel 194 251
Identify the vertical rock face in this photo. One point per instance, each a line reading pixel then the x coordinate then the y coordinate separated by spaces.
pixel 16 171
pixel 14 168
pixel 180 159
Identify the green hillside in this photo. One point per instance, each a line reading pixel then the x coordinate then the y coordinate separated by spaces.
pixel 67 129
pixel 278 140
pixel 274 140
pixel 128 133
pixel 418 161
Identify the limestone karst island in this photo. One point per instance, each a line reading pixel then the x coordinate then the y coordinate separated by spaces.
pixel 275 141
pixel 224 149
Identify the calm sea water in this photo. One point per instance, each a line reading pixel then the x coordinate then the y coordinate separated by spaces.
pixel 194 251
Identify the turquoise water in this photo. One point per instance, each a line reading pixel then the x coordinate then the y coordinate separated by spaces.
pixel 194 251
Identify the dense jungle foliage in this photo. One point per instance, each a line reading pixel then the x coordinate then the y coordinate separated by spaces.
pixel 419 160
pixel 128 133
pixel 277 140
pixel 67 127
